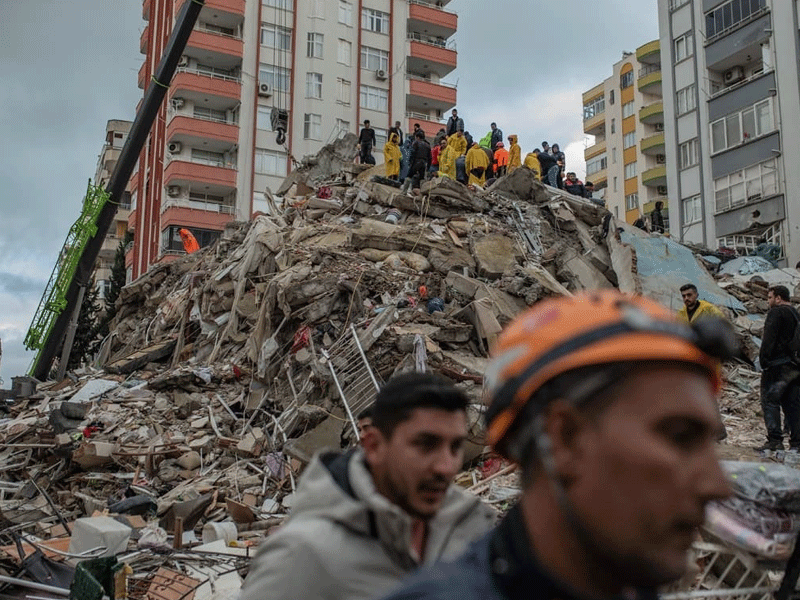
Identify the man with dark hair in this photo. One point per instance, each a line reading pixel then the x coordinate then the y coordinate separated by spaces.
pixel 364 520
pixel 420 160
pixel 549 167
pixel 694 308
pixel 780 387
pixel 366 141
pixel 574 186
pixel 657 218
pixel 497 136
pixel 454 123
pixel 608 405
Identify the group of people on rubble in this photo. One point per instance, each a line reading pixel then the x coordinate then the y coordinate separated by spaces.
pixel 454 153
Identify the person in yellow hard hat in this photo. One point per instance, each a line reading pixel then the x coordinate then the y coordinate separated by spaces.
pixel 607 405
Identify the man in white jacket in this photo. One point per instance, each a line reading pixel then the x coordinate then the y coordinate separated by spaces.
pixel 364 520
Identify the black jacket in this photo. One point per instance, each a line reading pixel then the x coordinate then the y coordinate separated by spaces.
pixel 778 333
pixel 576 188
pixel 497 136
pixel 454 125
pixel 546 161
pixel 421 153
pixel 367 136
pixel 657 221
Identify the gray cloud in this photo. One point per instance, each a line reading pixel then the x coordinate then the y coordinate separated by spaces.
pixel 21 285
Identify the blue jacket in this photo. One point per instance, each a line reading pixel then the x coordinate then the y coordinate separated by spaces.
pixel 500 566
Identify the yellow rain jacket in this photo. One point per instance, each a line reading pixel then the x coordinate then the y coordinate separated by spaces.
pixel 514 154
pixel 477 158
pixel 533 164
pixel 392 156
pixel 447 162
pixel 459 144
pixel 706 309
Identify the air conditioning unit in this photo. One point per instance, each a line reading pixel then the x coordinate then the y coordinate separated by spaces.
pixel 733 75
pixel 173 191
pixel 174 147
pixel 662 190
pixel 264 89
pixel 183 61
pixel 380 75
pixel 659 127
pixel 177 103
pixel 661 159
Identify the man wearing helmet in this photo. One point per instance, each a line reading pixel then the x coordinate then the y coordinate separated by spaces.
pixel 607 404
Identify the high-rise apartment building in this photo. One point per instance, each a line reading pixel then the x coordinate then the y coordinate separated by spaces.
pixel 731 103
pixel 324 66
pixel 116 135
pixel 626 162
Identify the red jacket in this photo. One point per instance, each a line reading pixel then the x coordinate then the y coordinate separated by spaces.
pixel 435 155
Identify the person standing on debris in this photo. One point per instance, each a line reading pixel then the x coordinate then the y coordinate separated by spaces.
pixel 366 141
pixel 532 163
pixel 476 164
pixel 549 167
pixel 574 186
pixel 497 136
pixel 561 160
pixel 607 404
pixel 398 130
pixel 500 160
pixel 392 156
pixel 436 151
pixel 364 520
pixel 780 386
pixel 514 154
pixel 694 308
pixel 447 161
pixel 420 159
pixel 454 123
pixel 459 143
pixel 657 218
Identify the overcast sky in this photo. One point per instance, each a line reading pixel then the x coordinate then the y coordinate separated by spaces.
pixel 68 66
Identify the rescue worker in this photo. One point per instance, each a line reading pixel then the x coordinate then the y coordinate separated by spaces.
pixel 694 308
pixel 189 241
pixel 477 163
pixel 514 154
pixel 362 521
pixel 607 404
pixel 447 161
pixel 459 143
pixel 392 157
pixel 420 159
pixel 500 160
pixel 532 163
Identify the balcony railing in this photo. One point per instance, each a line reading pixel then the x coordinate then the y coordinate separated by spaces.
pixel 210 74
pixel 432 41
pixel 429 80
pixel 215 32
pixel 644 71
pixel 431 5
pixel 224 209
pixel 422 117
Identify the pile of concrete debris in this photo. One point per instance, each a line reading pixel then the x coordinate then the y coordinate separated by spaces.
pixel 228 368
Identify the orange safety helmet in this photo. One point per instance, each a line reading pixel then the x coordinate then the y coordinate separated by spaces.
pixel 591 329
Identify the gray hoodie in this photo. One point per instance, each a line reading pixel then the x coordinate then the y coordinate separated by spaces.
pixel 345 541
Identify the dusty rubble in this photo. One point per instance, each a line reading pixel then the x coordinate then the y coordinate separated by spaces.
pixel 228 368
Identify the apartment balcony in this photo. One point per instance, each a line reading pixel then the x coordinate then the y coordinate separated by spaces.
pixel 598 178
pixel 652 145
pixel 215 49
pixel 110 158
pixel 430 125
pixel 215 136
pixel 427 95
pixel 144 39
pixel 211 179
pixel 428 19
pixel 428 54
pixel 594 150
pixel 650 53
pixel 596 125
pixel 651 205
pixel 192 217
pixel 652 114
pixel 202 86
pixel 649 81
pixel 143 76
pixel 221 12
pixel 655 177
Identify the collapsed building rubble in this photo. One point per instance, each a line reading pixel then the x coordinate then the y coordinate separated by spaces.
pixel 228 368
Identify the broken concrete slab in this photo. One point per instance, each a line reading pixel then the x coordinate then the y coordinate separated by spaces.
pixel 495 254
pixel 325 435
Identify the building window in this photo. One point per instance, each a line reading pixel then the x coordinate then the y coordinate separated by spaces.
pixel 613 126
pixel 686 99
pixel 374 98
pixel 282 4
pixel 171 238
pixel 596 164
pixel 747 185
pixel 381 137
pixel 374 59
pixel 209 114
pixel 730 14
pixel 611 97
pixel 314 45
pixel 631 201
pixel 264 118
pixel 343 93
pixel 626 80
pixel 750 123
pixel 273 36
pixel 342 126
pixel 345 52
pixel 673 4
pixel 689 153
pixel 316 9
pixel 594 107
pixel 314 85
pixel 684 47
pixel 206 157
pixel 312 127
pixel 615 184
pixel 630 170
pixel 692 210
pixel 345 13
pixel 613 156
pixel 628 109
pixel 375 20
pixel 277 78
pixel 629 140
pixel 269 162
